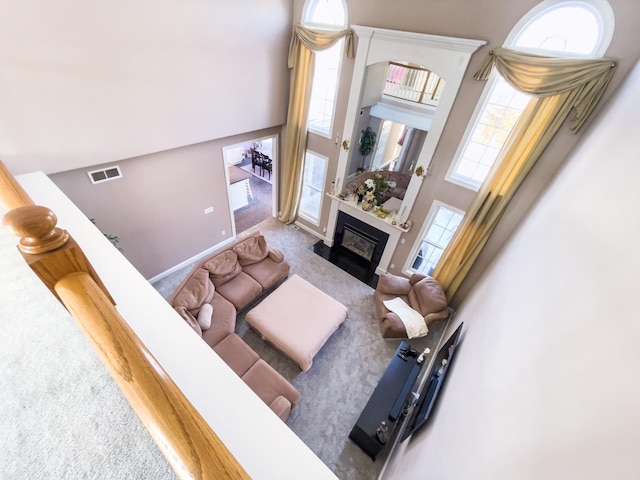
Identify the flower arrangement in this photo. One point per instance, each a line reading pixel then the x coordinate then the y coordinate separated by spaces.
pixel 371 190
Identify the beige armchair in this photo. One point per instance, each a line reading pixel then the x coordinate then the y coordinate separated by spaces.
pixel 421 292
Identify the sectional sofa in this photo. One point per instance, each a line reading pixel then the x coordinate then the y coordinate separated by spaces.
pixel 220 286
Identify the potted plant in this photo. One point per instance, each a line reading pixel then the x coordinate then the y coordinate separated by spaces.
pixel 367 142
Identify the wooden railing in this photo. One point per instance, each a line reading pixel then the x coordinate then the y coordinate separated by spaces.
pixel 186 440
pixel 412 83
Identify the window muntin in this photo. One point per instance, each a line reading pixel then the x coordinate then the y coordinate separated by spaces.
pixel 573 28
pixel 442 224
pixel 315 169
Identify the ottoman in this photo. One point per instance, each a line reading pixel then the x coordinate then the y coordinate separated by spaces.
pixel 297 319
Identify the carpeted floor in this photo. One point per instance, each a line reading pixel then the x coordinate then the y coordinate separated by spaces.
pixel 347 369
pixel 61 414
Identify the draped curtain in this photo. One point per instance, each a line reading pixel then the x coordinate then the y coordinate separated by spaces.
pixel 304 42
pixel 558 85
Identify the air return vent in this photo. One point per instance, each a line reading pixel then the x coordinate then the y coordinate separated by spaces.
pixel 105 174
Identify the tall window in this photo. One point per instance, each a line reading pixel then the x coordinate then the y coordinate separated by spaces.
pixel 554 27
pixel 315 168
pixel 575 28
pixel 325 14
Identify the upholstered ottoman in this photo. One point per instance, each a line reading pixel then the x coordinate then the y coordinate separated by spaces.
pixel 297 319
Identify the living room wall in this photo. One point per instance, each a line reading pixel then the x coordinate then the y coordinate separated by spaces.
pixel 157 207
pixel 544 383
pixel 85 83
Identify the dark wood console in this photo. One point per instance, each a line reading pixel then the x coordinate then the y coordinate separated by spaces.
pixel 387 400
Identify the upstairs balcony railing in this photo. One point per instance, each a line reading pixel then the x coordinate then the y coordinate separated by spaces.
pixel 414 84
pixel 190 446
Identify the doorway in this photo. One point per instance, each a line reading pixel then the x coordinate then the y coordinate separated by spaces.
pixel 251 171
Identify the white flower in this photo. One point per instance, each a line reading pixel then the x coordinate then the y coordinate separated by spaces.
pixel 370 183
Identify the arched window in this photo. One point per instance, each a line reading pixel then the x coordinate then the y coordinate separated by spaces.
pixel 325 14
pixel 554 28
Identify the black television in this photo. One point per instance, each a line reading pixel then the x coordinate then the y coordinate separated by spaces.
pixel 427 390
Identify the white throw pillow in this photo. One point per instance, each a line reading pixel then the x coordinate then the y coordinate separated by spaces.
pixel 204 316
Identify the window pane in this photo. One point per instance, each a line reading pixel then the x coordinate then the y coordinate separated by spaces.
pixel 569 29
pixel 325 12
pixel 324 90
pixel 437 236
pixel 503 108
pixel 313 179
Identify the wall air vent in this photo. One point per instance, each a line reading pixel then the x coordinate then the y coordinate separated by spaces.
pixel 105 174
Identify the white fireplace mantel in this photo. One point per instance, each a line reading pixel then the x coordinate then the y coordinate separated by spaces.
pixel 350 207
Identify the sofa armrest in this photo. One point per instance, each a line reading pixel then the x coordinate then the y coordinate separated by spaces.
pixel 189 318
pixel 416 277
pixel 281 407
pixel 393 284
pixel 392 327
pixel 275 255
pixel 432 317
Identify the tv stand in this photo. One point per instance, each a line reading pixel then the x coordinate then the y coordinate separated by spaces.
pixel 387 401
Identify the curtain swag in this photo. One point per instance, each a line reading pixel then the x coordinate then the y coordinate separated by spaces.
pixel 304 42
pixel 558 85
pixel 543 76
pixel 315 40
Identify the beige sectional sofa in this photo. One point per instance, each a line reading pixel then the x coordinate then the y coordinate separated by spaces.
pixel 212 294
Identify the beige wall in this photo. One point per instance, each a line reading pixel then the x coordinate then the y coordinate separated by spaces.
pixel 85 83
pixel 157 207
pixel 490 20
pixel 544 383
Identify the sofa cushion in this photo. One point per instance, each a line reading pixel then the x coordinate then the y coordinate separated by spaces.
pixel 223 267
pixel 240 290
pixel 204 316
pixel 197 291
pixel 223 321
pixel 427 296
pixel 268 272
pixel 251 250
pixel 236 353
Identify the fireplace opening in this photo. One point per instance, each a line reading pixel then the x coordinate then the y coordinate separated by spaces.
pixel 357 248
pixel 358 242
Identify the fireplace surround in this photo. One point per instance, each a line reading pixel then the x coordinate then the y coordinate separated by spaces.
pixel 357 248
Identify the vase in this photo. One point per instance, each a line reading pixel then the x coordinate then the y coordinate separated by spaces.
pixel 366 206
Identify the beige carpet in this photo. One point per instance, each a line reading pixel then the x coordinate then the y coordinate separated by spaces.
pixel 61 414
pixel 345 371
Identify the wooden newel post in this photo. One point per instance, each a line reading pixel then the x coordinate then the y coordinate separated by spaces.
pixel 13 195
pixel 50 251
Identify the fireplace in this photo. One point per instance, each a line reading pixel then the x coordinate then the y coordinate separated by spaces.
pixel 357 248
pixel 358 242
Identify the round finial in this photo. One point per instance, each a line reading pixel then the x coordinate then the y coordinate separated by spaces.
pixel 36 227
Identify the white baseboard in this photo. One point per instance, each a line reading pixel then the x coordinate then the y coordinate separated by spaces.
pixel 191 260
pixel 314 233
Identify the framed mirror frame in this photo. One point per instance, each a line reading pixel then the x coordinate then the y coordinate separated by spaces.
pixel 446 56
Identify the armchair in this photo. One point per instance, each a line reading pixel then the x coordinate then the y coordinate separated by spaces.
pixel 421 292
